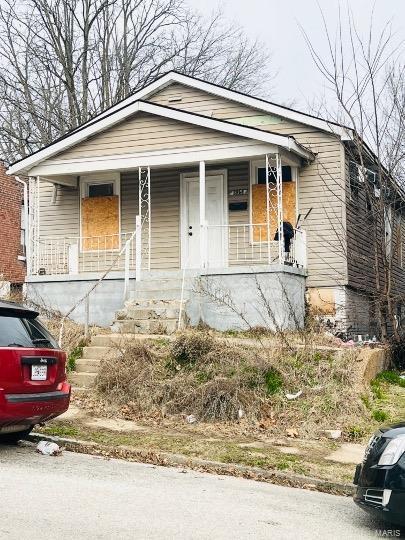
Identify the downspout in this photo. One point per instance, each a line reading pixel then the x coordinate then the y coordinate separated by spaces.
pixel 26 224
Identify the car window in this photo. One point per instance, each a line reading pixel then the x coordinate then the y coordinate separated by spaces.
pixel 15 332
pixel 39 333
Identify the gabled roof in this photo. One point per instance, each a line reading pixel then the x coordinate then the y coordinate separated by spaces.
pixel 131 106
pixel 233 95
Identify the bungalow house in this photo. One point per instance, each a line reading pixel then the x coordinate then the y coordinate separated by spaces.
pixel 12 233
pixel 189 199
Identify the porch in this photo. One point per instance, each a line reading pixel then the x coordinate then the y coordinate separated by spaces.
pixel 199 219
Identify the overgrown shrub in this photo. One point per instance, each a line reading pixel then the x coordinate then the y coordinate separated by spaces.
pixel 218 381
pixel 190 346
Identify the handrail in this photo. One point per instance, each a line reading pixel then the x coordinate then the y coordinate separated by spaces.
pixel 94 286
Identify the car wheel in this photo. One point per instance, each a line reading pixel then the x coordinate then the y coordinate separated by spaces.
pixel 13 438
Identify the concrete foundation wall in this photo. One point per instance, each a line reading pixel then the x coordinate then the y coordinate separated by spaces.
pixel 275 300
pixel 61 296
pixel 230 300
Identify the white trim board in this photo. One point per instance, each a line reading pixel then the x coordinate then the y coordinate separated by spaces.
pixel 114 117
pixel 162 158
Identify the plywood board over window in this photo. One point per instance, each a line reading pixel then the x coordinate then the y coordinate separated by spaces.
pixel 100 222
pixel 259 209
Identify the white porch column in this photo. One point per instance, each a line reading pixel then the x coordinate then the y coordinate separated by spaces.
pixel 203 223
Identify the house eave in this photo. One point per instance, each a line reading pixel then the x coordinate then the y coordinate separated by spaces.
pixel 27 165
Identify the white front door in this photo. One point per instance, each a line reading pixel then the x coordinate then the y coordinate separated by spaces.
pixel 214 213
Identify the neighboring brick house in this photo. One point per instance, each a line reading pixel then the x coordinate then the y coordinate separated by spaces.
pixel 12 244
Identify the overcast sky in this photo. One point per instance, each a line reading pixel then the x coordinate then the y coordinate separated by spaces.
pixel 275 22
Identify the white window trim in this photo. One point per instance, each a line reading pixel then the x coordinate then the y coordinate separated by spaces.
pixel 101 178
pixel 258 164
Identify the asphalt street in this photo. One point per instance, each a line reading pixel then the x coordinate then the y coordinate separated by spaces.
pixel 80 496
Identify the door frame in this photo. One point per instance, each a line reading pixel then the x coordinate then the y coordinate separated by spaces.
pixel 184 177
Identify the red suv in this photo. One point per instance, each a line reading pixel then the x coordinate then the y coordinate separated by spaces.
pixel 33 386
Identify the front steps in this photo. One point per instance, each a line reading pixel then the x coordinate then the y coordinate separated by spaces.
pixel 157 306
pixel 156 309
pixel 150 317
pixel 102 347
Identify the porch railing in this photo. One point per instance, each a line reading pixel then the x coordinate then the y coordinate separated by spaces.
pixel 226 245
pixel 250 244
pixel 74 255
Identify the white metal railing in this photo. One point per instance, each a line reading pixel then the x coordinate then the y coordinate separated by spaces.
pixel 235 244
pixel 74 255
pixel 249 243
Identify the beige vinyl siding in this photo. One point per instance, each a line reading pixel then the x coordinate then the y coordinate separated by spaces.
pixel 61 219
pixel 165 213
pixel 165 204
pixel 321 184
pixel 143 133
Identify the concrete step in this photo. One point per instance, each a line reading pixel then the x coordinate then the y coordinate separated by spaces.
pixel 163 326
pixel 153 294
pixel 161 284
pixel 105 340
pixel 100 353
pixel 142 313
pixel 87 365
pixel 153 303
pixel 82 379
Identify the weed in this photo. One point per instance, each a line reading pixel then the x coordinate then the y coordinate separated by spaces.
pixel 273 381
pixel 391 377
pixel 202 376
pixel 377 390
pixel 355 433
pixel 380 415
pixel 61 431
pixel 366 400
pixel 74 355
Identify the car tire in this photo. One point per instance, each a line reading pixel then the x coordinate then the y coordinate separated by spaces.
pixel 13 438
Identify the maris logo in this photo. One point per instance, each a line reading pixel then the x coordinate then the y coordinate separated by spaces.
pixel 388 533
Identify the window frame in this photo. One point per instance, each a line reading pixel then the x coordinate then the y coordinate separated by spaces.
pixel 100 178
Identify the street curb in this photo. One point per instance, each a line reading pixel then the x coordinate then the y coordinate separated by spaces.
pixel 167 459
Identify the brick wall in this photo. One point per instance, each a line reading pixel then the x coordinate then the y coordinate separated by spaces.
pixel 11 196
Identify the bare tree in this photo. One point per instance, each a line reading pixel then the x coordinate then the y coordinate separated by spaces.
pixel 64 61
pixel 365 79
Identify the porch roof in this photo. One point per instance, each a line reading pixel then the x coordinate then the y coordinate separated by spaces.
pixel 29 165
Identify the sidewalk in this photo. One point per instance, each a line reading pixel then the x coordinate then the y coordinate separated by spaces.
pixel 201 445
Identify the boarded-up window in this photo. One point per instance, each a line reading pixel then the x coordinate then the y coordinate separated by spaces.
pixel 100 223
pixel 259 209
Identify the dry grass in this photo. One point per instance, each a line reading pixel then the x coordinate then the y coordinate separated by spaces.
pixel 216 381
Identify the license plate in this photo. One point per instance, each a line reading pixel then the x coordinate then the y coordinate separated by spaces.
pixel 39 373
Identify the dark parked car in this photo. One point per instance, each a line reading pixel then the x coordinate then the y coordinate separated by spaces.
pixel 33 386
pixel 380 479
